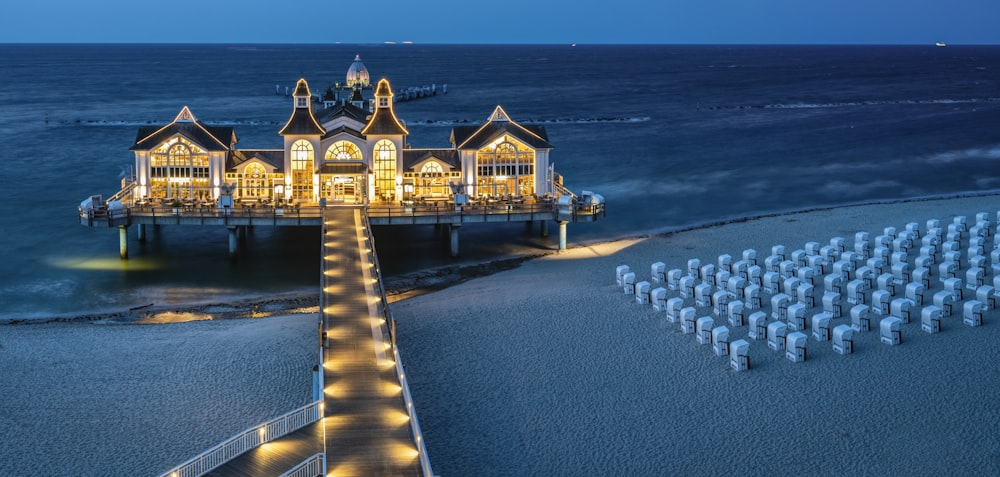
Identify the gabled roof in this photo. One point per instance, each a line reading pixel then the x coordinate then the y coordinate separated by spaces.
pixel 412 157
pixel 274 157
pixel 498 124
pixel 343 130
pixel 384 121
pixel 302 121
pixel 210 138
pixel 349 110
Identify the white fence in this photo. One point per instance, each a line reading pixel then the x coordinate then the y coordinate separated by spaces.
pixel 418 437
pixel 248 439
pixel 311 467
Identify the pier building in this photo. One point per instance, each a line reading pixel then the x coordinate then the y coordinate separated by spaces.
pixel 343 169
pixel 348 151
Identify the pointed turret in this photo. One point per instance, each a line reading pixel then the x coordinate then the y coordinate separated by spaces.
pixel 384 121
pixel 302 121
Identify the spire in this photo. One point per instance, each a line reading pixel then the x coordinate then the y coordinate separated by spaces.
pixel 302 121
pixel 384 120
pixel 302 95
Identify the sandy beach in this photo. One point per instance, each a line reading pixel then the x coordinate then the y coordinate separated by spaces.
pixel 544 369
pixel 91 398
pixel 549 369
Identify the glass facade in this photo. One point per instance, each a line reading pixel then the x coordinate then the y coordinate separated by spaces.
pixel 508 168
pixel 179 169
pixel 302 170
pixel 385 170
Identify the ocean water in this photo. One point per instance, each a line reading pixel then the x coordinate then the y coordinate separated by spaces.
pixel 670 135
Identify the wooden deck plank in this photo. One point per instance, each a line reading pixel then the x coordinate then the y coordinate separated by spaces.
pixel 366 430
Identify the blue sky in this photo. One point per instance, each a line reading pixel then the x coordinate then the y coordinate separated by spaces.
pixel 509 21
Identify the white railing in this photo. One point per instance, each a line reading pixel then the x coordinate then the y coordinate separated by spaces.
pixel 247 440
pixel 418 437
pixel 311 467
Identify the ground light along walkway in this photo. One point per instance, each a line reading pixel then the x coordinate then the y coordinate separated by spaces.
pixel 366 429
pixel 367 426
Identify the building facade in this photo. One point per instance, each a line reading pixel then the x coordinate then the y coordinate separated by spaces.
pixel 353 150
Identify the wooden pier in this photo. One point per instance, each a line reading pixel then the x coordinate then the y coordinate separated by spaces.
pixel 439 213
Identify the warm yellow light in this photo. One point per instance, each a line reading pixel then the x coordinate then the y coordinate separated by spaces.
pixel 391 389
pixel 404 452
pixel 395 417
pixel 263 433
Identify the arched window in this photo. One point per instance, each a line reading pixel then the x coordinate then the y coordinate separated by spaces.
pixel 431 169
pixel 255 183
pixel 179 169
pixel 385 170
pixel 506 169
pixel 302 170
pixel 343 151
pixel 431 182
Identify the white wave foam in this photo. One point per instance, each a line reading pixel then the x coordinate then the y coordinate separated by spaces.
pixel 964 155
pixel 848 104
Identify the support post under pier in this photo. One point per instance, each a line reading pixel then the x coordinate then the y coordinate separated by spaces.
pixel 454 239
pixel 140 232
pixel 545 228
pixel 123 241
pixel 562 235
pixel 233 241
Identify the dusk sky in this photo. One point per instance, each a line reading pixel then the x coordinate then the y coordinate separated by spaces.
pixel 511 21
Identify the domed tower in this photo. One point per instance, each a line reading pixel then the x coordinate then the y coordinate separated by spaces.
pixel 357 74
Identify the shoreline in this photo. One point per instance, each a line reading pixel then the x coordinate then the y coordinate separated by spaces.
pixel 421 282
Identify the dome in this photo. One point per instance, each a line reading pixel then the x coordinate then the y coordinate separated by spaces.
pixel 357 74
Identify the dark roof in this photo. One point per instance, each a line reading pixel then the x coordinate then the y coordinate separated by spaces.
pixel 356 95
pixel 301 88
pixel 384 121
pixel 302 122
pixel 274 157
pixel 343 167
pixel 210 138
pixel 475 137
pixel 349 110
pixel 412 157
pixel 343 130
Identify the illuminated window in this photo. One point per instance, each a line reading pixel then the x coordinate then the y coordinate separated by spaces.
pixel 385 169
pixel 179 169
pixel 302 170
pixel 343 151
pixel 431 181
pixel 254 182
pixel 506 168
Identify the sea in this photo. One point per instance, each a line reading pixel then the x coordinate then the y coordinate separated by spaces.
pixel 672 136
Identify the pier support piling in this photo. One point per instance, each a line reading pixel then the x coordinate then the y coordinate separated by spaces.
pixel 454 239
pixel 562 235
pixel 123 241
pixel 140 232
pixel 233 242
pixel 544 225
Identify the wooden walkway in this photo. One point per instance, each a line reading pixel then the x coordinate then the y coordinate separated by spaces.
pixel 367 426
pixel 366 429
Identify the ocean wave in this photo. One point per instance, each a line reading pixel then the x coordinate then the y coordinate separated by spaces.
pixel 850 104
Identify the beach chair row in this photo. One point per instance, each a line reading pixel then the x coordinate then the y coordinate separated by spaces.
pixel 723 292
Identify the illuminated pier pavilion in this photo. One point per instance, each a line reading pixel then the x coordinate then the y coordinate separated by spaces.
pixel 343 170
pixel 352 152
